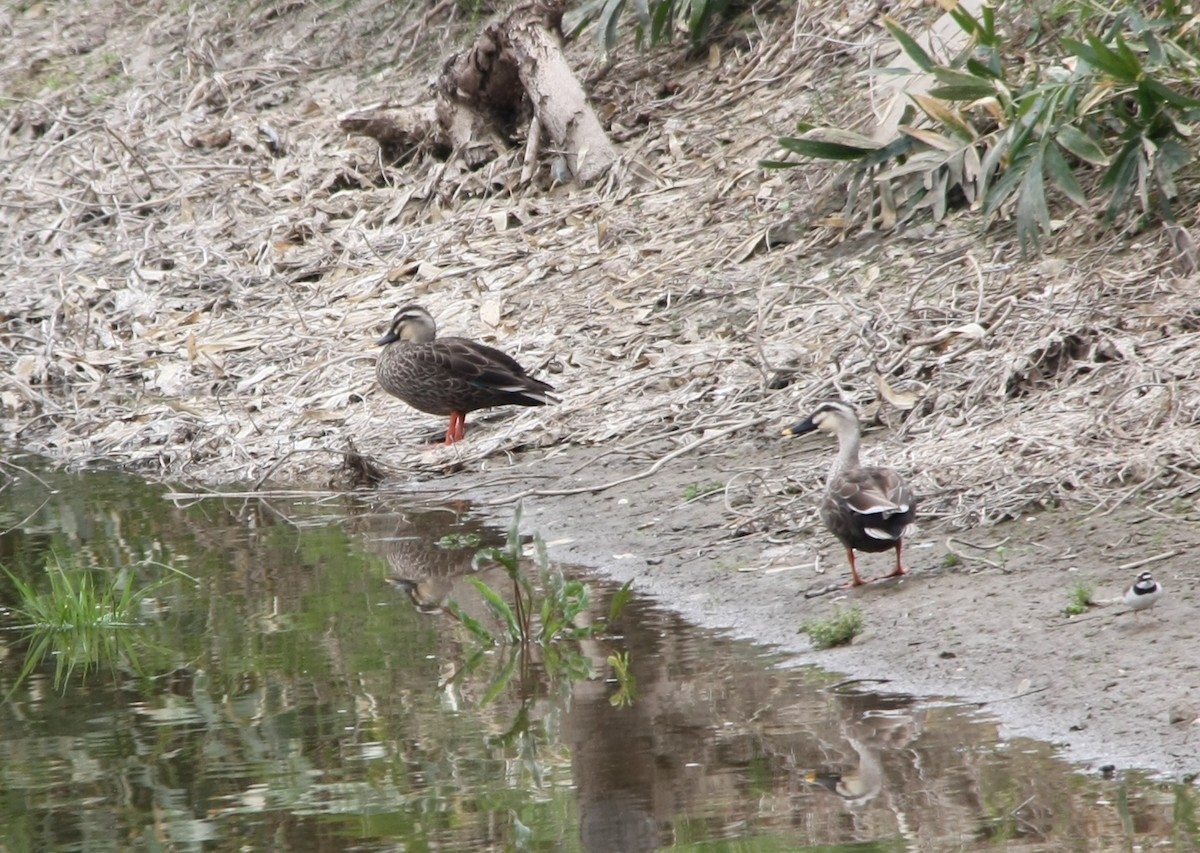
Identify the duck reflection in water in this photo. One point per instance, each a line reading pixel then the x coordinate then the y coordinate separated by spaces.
pixel 872 725
pixel 429 555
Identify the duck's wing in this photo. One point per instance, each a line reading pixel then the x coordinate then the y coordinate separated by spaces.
pixel 876 500
pixel 491 371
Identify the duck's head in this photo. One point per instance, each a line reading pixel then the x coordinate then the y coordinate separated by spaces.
pixel 413 324
pixel 832 417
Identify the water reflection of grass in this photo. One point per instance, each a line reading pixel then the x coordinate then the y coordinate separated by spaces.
pixel 544 614
pixel 549 614
pixel 546 636
pixel 82 623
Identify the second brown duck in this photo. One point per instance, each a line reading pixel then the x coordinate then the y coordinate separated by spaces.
pixel 867 508
pixel 450 376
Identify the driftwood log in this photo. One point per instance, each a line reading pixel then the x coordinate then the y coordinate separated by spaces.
pixel 513 75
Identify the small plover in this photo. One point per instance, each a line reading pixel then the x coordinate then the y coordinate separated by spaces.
pixel 1143 593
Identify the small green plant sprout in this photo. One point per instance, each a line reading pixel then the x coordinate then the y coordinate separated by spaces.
pixel 838 630
pixel 458 541
pixel 695 491
pixel 553 616
pixel 1080 598
pixel 626 682
pixel 950 560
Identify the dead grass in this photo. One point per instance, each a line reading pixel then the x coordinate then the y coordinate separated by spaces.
pixel 199 260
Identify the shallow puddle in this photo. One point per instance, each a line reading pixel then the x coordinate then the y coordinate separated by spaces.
pixel 303 687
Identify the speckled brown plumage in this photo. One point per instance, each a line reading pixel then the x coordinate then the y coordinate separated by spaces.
pixel 450 376
pixel 867 508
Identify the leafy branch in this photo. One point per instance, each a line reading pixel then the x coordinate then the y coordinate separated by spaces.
pixel 1104 115
pixel 656 20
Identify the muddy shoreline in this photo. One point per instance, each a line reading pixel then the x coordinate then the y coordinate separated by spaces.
pixel 1100 686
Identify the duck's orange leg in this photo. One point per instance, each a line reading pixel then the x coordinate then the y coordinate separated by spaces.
pixel 457 428
pixel 900 570
pixel 857 581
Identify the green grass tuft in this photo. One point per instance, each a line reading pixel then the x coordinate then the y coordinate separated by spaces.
pixel 1080 598
pixel 839 629
pixel 81 622
pixel 699 490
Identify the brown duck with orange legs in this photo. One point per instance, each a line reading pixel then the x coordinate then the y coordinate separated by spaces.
pixel 867 508
pixel 450 376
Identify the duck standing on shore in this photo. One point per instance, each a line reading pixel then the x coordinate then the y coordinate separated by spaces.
pixel 867 508
pixel 450 376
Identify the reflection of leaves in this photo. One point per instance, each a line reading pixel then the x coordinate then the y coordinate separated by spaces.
pixel 548 619
pixel 558 604
pixel 619 601
pixel 458 541
pixel 566 663
pixel 627 684
pixel 470 623
pixel 499 606
pixel 500 682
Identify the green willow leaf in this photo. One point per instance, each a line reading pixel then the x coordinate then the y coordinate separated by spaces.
pixel 660 22
pixel 1113 176
pixel 698 21
pixel 987 34
pixel 1162 92
pixel 580 17
pixel 1120 178
pixel 1171 157
pixel 502 679
pixel 822 150
pixel 498 605
pixel 965 21
pixel 998 193
pixel 979 69
pixel 606 25
pixel 1128 58
pixel 1081 145
pixel 620 600
pixel 1100 56
pixel 901 146
pixel 972 85
pixel 642 7
pixel 1060 172
pixel 909 45
pixel 471 624
pixel 962 93
pixel 1033 214
pixel 1097 56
